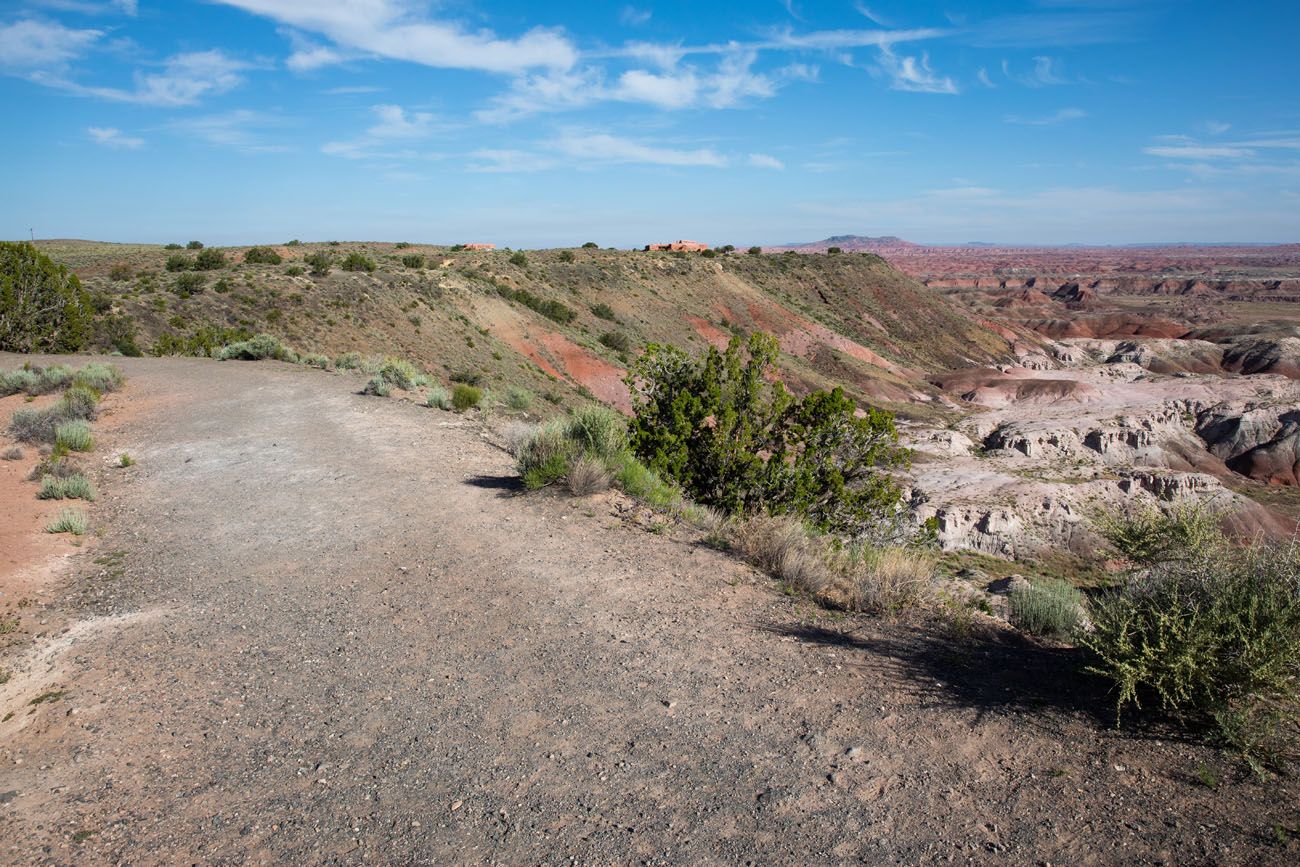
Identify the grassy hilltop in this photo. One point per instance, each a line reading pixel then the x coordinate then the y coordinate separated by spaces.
pixel 560 322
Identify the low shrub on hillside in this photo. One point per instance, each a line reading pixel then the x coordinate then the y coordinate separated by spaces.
pixel 204 341
pixel 518 398
pixel 519 260
pixel 755 251
pixel 415 260
pixel 377 386
pixel 737 441
pixel 402 374
pixel 603 311
pixel 465 397
pixel 186 285
pixel 553 310
pixel 78 403
pixel 179 262
pixel 256 348
pixel 355 261
pixel 319 263
pixel 294 271
pixel 210 259
pixel 194 245
pixel 1210 632
pixel 616 340
pixel 121 272
pixel 566 256
pixel 316 360
pixel 262 256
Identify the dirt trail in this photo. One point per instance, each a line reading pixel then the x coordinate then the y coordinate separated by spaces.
pixel 339 635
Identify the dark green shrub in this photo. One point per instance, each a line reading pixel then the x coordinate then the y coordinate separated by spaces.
pixel 118 334
pixel 178 262
pixel 261 256
pixel 294 271
pixel 518 398
pixel 591 245
pixel 708 254
pixel 603 311
pixel 1213 637
pixel 294 243
pixel 553 310
pixel 121 272
pixel 173 247
pixel 188 284
pixel 833 251
pixel 616 340
pixel 210 259
pixel 755 251
pixel 736 441
pixel 468 377
pixel 43 307
pixel 401 245
pixel 415 260
pixel 465 397
pixel 519 259
pixel 566 255
pixel 194 245
pixel 319 263
pixel 355 261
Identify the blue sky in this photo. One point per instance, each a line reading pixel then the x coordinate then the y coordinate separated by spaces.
pixel 527 124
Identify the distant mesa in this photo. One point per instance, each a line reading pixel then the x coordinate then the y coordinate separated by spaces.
pixel 678 247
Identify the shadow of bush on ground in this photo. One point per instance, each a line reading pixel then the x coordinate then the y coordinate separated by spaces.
pixel 994 672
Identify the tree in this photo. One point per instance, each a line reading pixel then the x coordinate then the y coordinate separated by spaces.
pixel 43 307
pixel 755 251
pixel 738 441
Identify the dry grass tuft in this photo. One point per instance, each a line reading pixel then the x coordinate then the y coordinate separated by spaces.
pixel 588 476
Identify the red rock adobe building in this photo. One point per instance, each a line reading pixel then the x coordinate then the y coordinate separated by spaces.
pixel 480 246
pixel 679 247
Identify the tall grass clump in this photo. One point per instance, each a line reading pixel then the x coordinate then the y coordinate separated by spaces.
pixel 74 436
pixel 42 425
pixel 71 487
pixel 545 456
pixel 72 521
pixel 16 381
pixel 438 398
pixel 103 378
pixel 1048 607
pixel 1209 632
pixel 465 397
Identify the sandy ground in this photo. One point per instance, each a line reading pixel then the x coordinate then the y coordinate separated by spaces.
pixel 326 628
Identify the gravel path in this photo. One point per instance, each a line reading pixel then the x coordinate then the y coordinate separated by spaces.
pixel 323 628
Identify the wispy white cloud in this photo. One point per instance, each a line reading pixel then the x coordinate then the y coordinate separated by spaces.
pixel 1198 152
pixel 401 30
pixel 242 130
pixel 29 44
pixel 1056 117
pixel 184 80
pixel 509 161
pixel 394 124
pixel 634 17
pixel 605 148
pixel 764 161
pixel 912 73
pixel 1046 72
pixel 111 137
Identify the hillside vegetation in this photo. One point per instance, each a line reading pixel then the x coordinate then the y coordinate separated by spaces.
pixel 561 322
